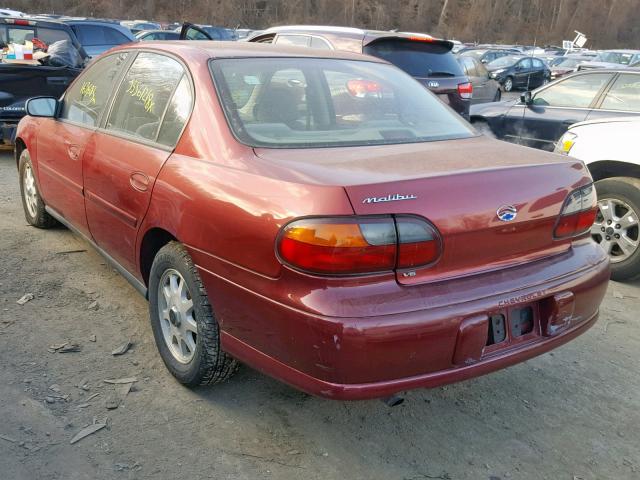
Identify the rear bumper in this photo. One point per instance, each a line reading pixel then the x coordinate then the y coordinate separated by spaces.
pixel 353 358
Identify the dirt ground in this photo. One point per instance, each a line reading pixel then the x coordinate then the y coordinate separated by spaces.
pixel 571 414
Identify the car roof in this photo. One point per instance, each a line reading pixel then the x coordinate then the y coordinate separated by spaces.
pixel 223 49
pixel 367 36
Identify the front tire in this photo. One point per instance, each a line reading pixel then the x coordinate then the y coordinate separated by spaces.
pixel 184 326
pixel 617 224
pixel 508 84
pixel 34 208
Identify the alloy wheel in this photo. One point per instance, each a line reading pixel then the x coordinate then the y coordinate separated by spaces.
pixel 29 191
pixel 616 229
pixel 508 85
pixel 177 320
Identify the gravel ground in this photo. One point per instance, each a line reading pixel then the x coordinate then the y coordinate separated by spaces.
pixel 571 414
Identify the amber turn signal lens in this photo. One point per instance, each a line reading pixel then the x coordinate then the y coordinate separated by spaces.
pixel 339 245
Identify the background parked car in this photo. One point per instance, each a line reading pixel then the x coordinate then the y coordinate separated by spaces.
pixel 485 88
pixel 611 59
pixel 541 117
pixel 20 82
pixel 98 36
pixel 136 26
pixel 486 55
pixel 147 35
pixel 519 72
pixel 561 66
pixel 192 31
pixel 610 149
pixel 425 58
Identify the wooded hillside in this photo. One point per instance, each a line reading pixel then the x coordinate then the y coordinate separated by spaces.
pixel 607 23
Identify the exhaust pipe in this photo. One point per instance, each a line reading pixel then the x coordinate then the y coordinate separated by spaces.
pixel 393 400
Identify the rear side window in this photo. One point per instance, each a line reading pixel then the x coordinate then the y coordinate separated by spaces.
pixel 537 63
pixel 177 114
pixel 87 98
pixel 92 35
pixel 51 35
pixel 624 94
pixel 143 97
pixel 418 59
pixel 295 40
pixel 576 92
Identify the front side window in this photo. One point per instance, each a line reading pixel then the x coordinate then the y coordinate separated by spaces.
pixel 87 98
pixel 624 94
pixel 309 102
pixel 141 101
pixel 576 92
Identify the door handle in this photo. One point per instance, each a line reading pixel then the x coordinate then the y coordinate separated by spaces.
pixel 139 181
pixel 73 150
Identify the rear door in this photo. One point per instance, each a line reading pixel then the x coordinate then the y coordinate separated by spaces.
pixel 558 106
pixel 622 99
pixel 62 142
pixel 121 164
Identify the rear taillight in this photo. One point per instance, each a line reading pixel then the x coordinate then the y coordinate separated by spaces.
pixel 578 213
pixel 418 243
pixel 363 88
pixel 358 245
pixel 465 90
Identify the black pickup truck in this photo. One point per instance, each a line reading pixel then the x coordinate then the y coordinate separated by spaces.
pixel 19 82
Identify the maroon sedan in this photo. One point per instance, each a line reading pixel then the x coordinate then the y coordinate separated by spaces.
pixel 319 216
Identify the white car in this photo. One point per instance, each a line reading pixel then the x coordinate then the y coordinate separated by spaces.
pixel 611 150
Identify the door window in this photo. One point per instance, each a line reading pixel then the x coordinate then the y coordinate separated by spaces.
pixel 525 64
pixel 624 94
pixel 295 40
pixel 575 92
pixel 87 98
pixel 177 114
pixel 537 63
pixel 144 95
pixel 321 43
pixel 469 66
pixel 92 35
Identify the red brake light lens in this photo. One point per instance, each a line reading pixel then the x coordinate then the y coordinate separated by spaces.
pixel 363 88
pixel 578 213
pixel 358 245
pixel 465 90
pixel 418 242
pixel 339 245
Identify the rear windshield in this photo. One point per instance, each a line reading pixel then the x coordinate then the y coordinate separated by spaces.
pixel 418 59
pixel 309 102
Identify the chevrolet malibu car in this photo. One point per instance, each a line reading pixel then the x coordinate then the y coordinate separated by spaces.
pixel 609 149
pixel 319 216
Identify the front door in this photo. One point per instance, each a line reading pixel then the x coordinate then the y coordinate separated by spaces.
pixel 555 108
pixel 62 141
pixel 124 157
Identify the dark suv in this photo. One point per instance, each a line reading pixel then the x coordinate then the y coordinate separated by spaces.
pixel 428 60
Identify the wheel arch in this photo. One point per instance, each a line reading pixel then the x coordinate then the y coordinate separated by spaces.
pixel 20 146
pixel 612 168
pixel 153 240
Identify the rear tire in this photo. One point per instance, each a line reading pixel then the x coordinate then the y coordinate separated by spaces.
pixel 619 199
pixel 34 207
pixel 184 326
pixel 508 84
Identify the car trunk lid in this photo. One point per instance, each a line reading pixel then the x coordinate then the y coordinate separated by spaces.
pixel 459 186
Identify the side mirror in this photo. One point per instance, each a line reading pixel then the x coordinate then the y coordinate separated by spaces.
pixel 526 98
pixel 42 107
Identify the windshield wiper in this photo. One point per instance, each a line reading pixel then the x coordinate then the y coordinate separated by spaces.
pixel 441 74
